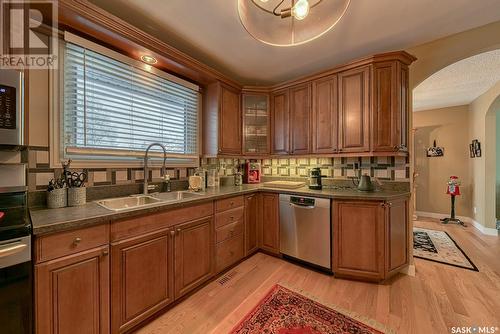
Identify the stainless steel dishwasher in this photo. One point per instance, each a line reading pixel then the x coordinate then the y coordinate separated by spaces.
pixel 305 229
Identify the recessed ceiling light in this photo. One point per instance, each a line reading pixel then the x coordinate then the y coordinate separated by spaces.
pixel 149 59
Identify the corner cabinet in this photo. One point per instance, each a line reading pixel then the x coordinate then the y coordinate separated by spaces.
pixel 370 238
pixel 256 124
pixel 222 122
pixel 280 123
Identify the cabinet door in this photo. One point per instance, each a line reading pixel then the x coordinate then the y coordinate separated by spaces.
pixel 358 234
pixel 251 219
pixel 280 123
pixel 397 252
pixel 300 112
pixel 325 116
pixel 229 121
pixel 269 225
pixel 354 110
pixel 72 293
pixel 141 278
pixel 194 254
pixel 256 124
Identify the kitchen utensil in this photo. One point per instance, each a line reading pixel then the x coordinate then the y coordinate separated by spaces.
pixel 365 183
pixel 77 179
pixel 77 196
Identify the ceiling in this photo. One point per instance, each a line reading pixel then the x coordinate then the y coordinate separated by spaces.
pixel 210 31
pixel 459 83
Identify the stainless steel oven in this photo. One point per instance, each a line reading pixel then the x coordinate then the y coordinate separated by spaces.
pixel 11 108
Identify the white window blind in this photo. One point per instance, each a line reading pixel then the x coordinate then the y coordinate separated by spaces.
pixel 113 110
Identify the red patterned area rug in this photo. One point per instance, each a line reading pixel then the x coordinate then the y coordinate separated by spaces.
pixel 283 311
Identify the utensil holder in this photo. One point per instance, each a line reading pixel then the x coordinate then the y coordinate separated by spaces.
pixel 77 196
pixel 57 198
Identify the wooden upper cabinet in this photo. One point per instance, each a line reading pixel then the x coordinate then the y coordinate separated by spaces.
pixel 325 115
pixel 280 122
pixel 222 121
pixel 256 124
pixel 354 110
pixel 300 112
pixel 390 107
pixel 141 278
pixel 194 254
pixel 269 225
pixel 72 293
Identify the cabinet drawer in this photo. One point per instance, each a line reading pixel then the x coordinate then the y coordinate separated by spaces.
pixel 229 252
pixel 228 217
pixel 48 247
pixel 228 231
pixel 228 203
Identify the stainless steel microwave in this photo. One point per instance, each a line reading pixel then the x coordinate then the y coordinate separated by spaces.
pixel 11 108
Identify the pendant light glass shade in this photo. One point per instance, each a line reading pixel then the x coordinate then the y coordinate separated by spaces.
pixel 286 30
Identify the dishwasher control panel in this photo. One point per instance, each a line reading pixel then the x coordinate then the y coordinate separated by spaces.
pixel 304 201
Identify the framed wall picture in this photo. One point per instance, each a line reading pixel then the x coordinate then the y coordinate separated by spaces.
pixel 472 151
pixel 477 148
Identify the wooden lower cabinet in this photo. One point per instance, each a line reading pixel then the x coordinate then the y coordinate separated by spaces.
pixel 370 238
pixel 141 278
pixel 269 225
pixel 252 213
pixel 72 293
pixel 194 254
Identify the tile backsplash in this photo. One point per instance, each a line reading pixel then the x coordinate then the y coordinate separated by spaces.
pixel 384 168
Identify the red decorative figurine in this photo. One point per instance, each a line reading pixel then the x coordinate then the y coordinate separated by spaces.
pixel 453 190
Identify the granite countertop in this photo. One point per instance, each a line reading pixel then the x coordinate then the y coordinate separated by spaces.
pixel 47 221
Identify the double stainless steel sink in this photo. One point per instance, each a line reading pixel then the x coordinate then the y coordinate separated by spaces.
pixel 139 201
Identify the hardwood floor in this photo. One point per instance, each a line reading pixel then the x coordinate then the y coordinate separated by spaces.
pixel 438 297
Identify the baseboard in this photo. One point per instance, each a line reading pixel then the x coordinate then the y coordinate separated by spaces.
pixel 409 270
pixel 468 220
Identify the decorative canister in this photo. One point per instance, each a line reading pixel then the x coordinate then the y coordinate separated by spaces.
pixel 57 198
pixel 77 196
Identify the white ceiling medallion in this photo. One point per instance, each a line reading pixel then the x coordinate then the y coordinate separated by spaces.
pixel 290 22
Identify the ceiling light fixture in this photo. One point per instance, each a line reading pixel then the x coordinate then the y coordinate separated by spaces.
pixel 290 22
pixel 149 59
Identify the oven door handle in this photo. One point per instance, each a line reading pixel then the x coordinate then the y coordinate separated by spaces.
pixel 302 206
pixel 12 249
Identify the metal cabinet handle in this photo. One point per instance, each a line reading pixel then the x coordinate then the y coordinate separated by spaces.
pixel 105 252
pixel 15 248
pixel 77 241
pixel 172 233
pixel 302 206
pixel 179 230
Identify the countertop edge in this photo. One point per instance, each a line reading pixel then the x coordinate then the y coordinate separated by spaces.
pixel 109 216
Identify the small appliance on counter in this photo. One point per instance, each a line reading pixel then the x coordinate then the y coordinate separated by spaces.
pixel 364 183
pixel 252 172
pixel 315 179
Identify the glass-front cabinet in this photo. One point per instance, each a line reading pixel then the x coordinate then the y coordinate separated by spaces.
pixel 256 123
